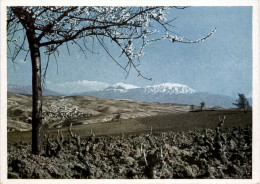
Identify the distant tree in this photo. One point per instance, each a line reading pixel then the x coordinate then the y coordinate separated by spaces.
pixel 202 104
pixel 192 108
pixel 131 29
pixel 242 102
pixel 247 105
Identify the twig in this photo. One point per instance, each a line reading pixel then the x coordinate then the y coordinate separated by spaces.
pixel 75 137
pixel 144 155
pixel 59 141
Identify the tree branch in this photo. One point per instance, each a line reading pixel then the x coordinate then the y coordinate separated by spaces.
pixel 47 28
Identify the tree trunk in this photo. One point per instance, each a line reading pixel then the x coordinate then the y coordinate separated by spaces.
pixel 37 143
pixel 245 109
pixel 27 20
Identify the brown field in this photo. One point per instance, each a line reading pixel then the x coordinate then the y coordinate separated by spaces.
pixel 135 117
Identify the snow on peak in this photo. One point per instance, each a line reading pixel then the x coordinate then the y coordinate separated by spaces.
pixel 121 87
pixel 165 88
pixel 169 88
pixel 125 86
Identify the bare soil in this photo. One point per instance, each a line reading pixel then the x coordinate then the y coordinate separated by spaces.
pixel 220 153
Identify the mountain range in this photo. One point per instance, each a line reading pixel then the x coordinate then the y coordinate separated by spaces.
pixel 27 90
pixel 163 93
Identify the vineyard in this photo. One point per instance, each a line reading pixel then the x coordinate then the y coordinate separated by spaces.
pixel 204 153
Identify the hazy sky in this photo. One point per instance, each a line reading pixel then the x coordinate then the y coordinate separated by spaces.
pixel 221 64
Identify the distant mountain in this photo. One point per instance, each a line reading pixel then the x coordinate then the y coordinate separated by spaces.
pixel 169 89
pixel 120 87
pixel 165 88
pixel 27 90
pixel 164 93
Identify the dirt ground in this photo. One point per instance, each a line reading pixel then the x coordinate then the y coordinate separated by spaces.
pixel 205 153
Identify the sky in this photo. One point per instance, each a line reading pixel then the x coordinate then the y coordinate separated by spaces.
pixel 222 64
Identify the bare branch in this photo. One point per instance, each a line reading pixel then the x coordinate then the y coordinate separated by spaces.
pixel 105 48
pixel 75 137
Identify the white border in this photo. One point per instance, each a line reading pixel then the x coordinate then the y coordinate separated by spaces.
pixel 256 83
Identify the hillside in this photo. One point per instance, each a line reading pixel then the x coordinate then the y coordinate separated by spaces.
pixel 105 116
pixel 59 111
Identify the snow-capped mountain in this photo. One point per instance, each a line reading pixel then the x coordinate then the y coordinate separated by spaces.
pixel 169 89
pixel 120 87
pixel 164 93
pixel 165 88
